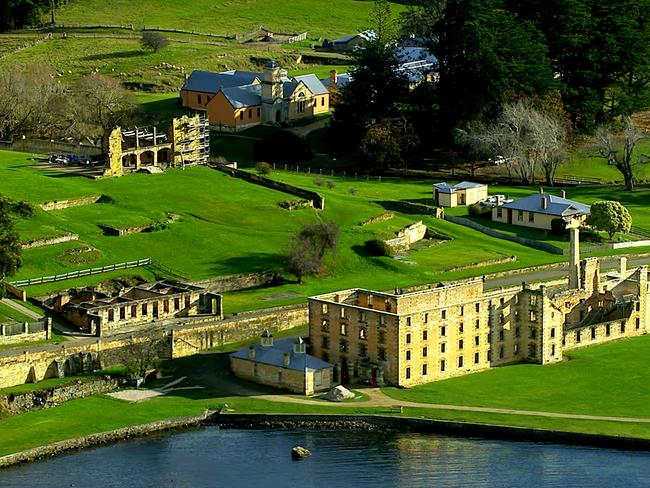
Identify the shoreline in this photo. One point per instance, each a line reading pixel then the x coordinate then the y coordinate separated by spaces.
pixel 360 422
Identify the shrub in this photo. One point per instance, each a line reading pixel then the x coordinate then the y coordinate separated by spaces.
pixel 319 181
pixel 330 185
pixel 282 147
pixel 558 227
pixel 353 191
pixel 23 209
pixel 377 247
pixel 263 168
pixel 477 210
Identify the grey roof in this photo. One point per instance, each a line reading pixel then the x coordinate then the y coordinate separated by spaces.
pixel 244 96
pixel 445 187
pixel 365 35
pixel 407 54
pixel 274 356
pixel 210 82
pixel 288 87
pixel 555 205
pixel 313 83
pixel 341 80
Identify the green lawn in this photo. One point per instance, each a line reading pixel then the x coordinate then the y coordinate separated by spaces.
pixel 598 380
pixel 601 380
pixel 8 314
pixel 327 19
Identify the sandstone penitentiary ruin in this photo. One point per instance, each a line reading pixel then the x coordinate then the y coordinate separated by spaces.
pixel 417 335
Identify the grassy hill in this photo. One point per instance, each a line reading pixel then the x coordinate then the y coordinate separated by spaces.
pixel 327 19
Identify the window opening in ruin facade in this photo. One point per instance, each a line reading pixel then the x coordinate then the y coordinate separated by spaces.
pixel 443 347
pixel 408 355
pixel 424 352
pixel 363 334
pixel 363 350
pixel 343 346
pixel 408 373
pixel 408 338
pixel 325 342
pixel 344 329
pixel 424 370
pixel 460 361
pixel 460 344
pixel 425 335
pixel 443 331
pixel 111 315
pixel 381 354
pixel 476 358
pixel 442 365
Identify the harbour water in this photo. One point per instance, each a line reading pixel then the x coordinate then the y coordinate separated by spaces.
pixel 210 457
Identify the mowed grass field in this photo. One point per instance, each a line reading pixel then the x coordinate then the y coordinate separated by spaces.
pixel 229 226
pixel 606 380
pixel 324 19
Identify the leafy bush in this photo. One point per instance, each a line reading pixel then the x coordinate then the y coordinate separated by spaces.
pixel 558 227
pixel 263 168
pixel 377 247
pixel 476 210
pixel 353 191
pixel 611 217
pixel 330 185
pixel 319 181
pixel 282 147
pixel 154 41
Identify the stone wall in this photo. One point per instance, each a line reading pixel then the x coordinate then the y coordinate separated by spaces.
pixel 17 333
pixel 235 282
pixel 49 241
pixel 407 236
pixel 71 202
pixel 190 340
pixel 51 397
pixel 317 200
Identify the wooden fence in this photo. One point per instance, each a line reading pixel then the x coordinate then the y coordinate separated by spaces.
pixel 83 272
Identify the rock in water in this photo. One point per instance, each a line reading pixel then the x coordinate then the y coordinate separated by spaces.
pixel 338 394
pixel 299 452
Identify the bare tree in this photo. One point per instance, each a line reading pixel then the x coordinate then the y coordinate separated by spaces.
pixel 25 98
pixel 526 137
pixel 100 103
pixel 617 147
pixel 308 248
pixel 154 41
pixel 139 355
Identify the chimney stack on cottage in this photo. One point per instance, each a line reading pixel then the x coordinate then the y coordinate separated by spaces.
pixel 286 359
pixel 563 194
pixel 267 338
pixel 251 352
pixel 541 190
pixel 300 347
pixel 544 202
pixel 333 77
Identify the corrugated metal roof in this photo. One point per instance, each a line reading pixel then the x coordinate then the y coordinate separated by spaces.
pixel 555 205
pixel 288 87
pixel 463 185
pixel 313 83
pixel 274 356
pixel 244 96
pixel 210 82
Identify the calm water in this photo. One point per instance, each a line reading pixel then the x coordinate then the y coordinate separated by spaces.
pixel 223 458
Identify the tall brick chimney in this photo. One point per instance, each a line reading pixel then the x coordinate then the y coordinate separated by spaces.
pixel 544 202
pixel 563 194
pixel 333 77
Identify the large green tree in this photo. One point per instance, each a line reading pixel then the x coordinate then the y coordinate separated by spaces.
pixel 486 56
pixel 600 53
pixel 10 247
pixel 376 86
pixel 610 217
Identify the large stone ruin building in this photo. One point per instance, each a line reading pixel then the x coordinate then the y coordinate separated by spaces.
pixel 101 313
pixel 147 149
pixel 415 336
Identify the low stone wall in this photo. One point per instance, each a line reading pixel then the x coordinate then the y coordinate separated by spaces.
pixel 51 397
pixel 318 201
pixel 379 218
pixel 136 229
pixel 542 246
pixel 72 202
pixel 102 438
pixel 483 264
pixel 191 340
pixel 17 333
pixel 430 426
pixel 15 291
pixel 49 241
pixel 243 281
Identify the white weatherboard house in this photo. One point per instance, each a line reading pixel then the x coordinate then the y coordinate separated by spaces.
pixel 540 209
pixel 463 193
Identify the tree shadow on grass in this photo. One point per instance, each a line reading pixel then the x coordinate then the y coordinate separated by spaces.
pixel 248 263
pixel 114 55
pixel 400 207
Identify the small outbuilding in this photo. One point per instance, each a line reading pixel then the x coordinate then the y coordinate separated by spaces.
pixel 282 364
pixel 463 193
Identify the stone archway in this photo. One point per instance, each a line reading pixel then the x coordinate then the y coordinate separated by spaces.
pixel 130 160
pixel 164 156
pixel 147 158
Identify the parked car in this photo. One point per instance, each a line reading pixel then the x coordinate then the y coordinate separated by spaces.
pixel 497 160
pixel 495 200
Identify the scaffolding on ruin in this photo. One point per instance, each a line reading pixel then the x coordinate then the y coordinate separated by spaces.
pixel 194 144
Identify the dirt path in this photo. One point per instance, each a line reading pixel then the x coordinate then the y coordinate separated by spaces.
pixel 378 399
pixel 19 308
